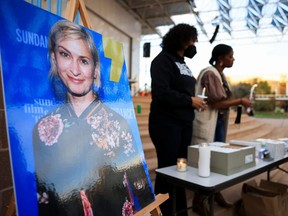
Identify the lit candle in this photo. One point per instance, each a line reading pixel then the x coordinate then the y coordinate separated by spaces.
pixel 181 164
pixel 203 91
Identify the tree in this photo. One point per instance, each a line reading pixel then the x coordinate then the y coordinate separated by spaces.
pixel 241 90
pixel 263 88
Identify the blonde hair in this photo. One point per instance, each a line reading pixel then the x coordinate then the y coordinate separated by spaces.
pixel 65 29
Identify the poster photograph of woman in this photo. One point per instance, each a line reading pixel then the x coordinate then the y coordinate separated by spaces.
pixel 72 151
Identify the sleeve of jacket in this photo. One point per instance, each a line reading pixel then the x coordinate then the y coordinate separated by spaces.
pixel 214 88
pixel 162 75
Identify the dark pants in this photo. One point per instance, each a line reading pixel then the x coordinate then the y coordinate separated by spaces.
pixel 220 129
pixel 171 139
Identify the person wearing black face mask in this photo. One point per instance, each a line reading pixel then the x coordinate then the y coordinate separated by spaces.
pixel 190 51
pixel 172 107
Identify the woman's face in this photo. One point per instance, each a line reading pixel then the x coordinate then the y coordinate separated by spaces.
pixel 75 65
pixel 228 59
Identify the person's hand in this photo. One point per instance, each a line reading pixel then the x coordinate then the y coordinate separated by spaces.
pixel 199 103
pixel 245 102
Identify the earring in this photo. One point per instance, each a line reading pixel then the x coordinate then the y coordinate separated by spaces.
pixel 221 63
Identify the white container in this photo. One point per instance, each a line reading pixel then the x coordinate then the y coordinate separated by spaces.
pixel 204 160
pixel 275 147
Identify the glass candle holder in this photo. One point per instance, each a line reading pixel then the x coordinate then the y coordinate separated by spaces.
pixel 181 164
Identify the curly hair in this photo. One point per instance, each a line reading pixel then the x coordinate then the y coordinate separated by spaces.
pixel 177 36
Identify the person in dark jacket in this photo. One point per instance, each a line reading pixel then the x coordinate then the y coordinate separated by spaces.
pixel 172 107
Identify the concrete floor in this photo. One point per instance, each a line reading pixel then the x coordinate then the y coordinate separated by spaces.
pixel 280 123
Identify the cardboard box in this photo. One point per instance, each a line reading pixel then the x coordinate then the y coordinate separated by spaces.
pixel 267 198
pixel 226 158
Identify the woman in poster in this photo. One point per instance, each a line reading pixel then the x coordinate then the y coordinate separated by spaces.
pixel 86 159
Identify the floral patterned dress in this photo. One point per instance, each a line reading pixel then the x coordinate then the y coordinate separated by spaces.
pixel 88 165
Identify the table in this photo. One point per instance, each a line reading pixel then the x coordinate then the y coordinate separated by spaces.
pixel 215 182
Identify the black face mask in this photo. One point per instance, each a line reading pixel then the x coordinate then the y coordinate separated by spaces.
pixel 190 51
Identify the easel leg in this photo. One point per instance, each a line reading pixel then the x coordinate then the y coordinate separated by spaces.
pixel 71 11
pixel 156 212
pixel 154 208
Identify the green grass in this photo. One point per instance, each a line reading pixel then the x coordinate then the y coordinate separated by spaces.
pixel 270 115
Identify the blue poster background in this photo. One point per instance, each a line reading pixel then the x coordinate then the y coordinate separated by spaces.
pixel 27 93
